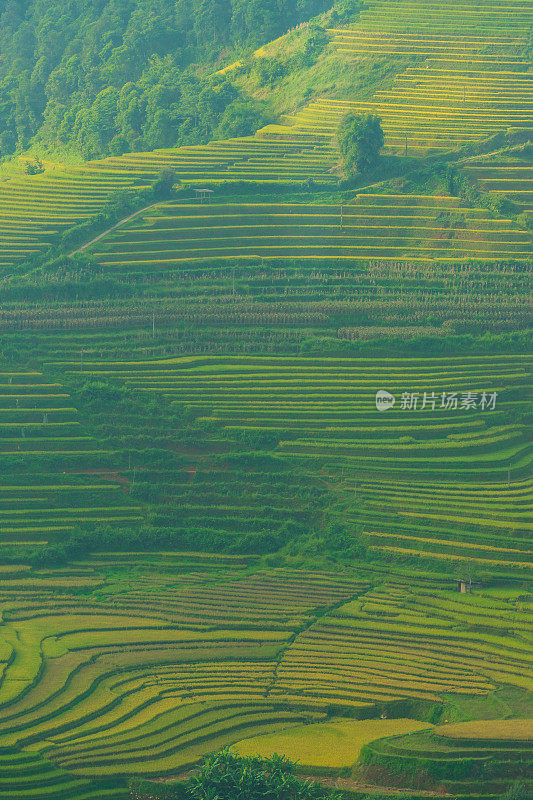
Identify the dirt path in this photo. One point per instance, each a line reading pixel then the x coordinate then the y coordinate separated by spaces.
pixel 112 228
pixel 351 785
pixel 348 784
pixel 109 475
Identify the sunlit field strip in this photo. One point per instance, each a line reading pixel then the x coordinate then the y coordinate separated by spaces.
pixel 128 246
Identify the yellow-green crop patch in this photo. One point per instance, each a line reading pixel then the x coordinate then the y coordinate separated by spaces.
pixel 178 233
pixel 508 730
pixel 336 743
pixel 100 686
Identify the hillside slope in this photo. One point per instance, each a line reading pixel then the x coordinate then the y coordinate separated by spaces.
pixel 98 76
pixel 445 103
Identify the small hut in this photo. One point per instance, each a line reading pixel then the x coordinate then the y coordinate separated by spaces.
pixel 466 586
pixel 203 195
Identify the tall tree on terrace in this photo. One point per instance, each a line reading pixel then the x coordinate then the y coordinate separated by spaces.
pixel 361 139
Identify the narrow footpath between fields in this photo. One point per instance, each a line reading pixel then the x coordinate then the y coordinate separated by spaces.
pixel 112 228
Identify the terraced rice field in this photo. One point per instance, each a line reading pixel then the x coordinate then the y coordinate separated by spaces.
pixel 477 767
pixel 364 40
pixel 380 226
pixel 249 159
pixel 27 776
pixel 35 209
pixel 511 176
pixel 474 82
pixel 397 643
pixel 466 17
pixel 146 677
pixel 131 663
pixel 384 465
pixel 270 303
pixel 499 730
pixel 479 31
pixel 54 476
pixel 199 651
pixel 335 744
pixel 430 108
pixel 494 529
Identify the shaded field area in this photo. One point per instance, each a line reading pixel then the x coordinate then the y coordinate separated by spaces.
pixel 55 475
pixel 443 479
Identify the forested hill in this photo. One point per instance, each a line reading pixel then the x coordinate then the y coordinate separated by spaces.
pixel 109 76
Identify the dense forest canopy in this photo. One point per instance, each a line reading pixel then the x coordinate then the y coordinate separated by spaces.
pixel 110 76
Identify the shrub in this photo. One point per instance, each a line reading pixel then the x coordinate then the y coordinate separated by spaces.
pixel 34 167
pixel 141 789
pixel 269 71
pixel 164 183
pixel 517 791
pixel 240 119
pixel 345 11
pixel 226 776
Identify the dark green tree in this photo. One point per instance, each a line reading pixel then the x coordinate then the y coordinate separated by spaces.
pixel 164 183
pixel 240 119
pixel 254 20
pixel 361 139
pixel 211 21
